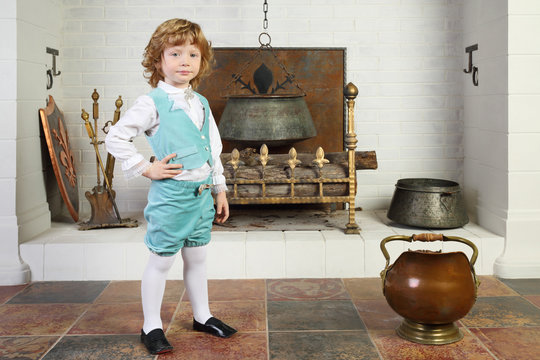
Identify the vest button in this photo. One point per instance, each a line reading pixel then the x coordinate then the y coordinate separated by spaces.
pixel 206 148
pixel 202 137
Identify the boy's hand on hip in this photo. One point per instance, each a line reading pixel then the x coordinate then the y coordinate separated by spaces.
pixel 160 169
pixel 222 207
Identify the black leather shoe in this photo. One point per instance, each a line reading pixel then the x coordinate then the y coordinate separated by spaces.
pixel 215 327
pixel 155 342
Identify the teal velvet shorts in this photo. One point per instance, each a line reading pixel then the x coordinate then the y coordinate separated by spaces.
pixel 177 215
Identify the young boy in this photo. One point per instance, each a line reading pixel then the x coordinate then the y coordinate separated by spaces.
pixel 183 134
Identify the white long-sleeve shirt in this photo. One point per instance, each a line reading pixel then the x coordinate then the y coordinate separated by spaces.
pixel 143 117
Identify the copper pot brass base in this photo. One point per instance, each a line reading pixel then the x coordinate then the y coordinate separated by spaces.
pixel 431 334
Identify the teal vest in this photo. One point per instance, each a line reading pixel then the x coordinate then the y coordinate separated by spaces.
pixel 178 134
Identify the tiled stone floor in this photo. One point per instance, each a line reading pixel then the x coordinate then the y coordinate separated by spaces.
pixel 277 319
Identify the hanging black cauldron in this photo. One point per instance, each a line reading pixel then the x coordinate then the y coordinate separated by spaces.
pixel 269 113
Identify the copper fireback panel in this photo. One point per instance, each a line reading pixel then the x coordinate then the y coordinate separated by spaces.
pixel 320 72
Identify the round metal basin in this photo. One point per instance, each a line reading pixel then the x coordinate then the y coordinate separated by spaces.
pixel 266 119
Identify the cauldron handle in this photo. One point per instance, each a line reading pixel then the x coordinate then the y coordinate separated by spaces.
pixel 427 237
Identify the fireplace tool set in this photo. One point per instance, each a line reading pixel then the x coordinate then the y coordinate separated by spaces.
pixel 105 212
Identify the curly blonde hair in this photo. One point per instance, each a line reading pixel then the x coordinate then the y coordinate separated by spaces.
pixel 171 33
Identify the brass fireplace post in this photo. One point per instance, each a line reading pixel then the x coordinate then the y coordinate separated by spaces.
pixel 350 92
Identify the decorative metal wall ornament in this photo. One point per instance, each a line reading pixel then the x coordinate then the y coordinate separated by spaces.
pixel 57 138
pixel 264 109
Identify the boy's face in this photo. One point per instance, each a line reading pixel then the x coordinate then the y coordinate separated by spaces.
pixel 180 64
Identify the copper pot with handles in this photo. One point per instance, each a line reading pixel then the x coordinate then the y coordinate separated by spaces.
pixel 430 290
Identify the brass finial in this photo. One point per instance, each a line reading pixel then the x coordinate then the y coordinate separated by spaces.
pixel 95 95
pixel 264 155
pixel 293 161
pixel 84 115
pixel 235 159
pixel 319 158
pixel 350 91
pixel 119 102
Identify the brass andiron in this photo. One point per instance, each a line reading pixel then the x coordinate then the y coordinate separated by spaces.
pixel 102 198
pixel 350 93
pixel 430 290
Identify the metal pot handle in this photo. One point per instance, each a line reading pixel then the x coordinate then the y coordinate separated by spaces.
pixel 427 237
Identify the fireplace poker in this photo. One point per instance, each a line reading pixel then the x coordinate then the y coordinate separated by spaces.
pixel 92 136
pixel 109 165
pixel 95 116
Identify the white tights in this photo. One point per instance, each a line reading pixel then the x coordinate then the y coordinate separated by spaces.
pixel 155 277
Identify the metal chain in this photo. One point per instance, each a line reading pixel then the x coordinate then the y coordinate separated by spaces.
pixel 237 76
pixel 289 75
pixel 265 10
pixel 263 46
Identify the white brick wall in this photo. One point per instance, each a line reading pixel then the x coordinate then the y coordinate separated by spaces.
pixel 521 137
pixel 405 57
pixel 39 26
pixel 486 114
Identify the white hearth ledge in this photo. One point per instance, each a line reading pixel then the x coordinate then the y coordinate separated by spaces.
pixel 65 253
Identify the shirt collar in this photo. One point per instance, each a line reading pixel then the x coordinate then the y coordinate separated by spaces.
pixel 169 89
